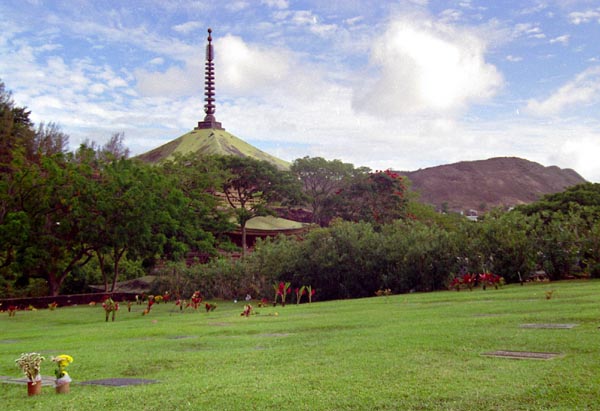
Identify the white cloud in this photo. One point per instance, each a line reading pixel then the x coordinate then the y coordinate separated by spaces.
pixel 188 27
pixel 450 15
pixel 513 59
pixel 158 61
pixel 175 81
pixel 277 4
pixel 581 152
pixel 564 39
pixel 427 66
pixel 583 89
pixel 530 30
pixel 236 6
pixel 244 68
pixel 580 17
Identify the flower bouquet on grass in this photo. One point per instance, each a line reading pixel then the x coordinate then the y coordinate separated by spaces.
pixel 63 380
pixel 30 364
pixel 110 306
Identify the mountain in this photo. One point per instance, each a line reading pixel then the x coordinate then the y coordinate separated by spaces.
pixel 485 184
pixel 209 142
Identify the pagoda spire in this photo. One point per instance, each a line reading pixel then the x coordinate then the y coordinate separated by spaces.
pixel 209 89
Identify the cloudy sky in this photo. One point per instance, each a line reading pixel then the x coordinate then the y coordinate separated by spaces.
pixel 403 84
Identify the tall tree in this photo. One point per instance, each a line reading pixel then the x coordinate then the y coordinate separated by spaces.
pixel 136 213
pixel 251 186
pixel 50 194
pixel 321 181
pixel 378 197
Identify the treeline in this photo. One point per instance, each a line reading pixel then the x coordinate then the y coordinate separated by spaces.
pixel 423 252
pixel 69 219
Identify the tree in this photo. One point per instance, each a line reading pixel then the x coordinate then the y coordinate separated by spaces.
pixel 508 244
pixel 587 194
pixel 251 186
pixel 115 148
pixel 50 140
pixel 199 178
pixel 321 181
pixel 137 213
pixel 377 197
pixel 49 194
pixel 16 130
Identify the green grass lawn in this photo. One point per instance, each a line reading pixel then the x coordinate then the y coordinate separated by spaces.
pixel 403 352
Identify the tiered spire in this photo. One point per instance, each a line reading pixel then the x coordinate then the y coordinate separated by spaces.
pixel 209 89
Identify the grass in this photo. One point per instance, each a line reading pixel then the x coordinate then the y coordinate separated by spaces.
pixel 403 352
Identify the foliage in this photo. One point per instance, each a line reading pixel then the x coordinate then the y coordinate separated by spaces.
pixel 581 195
pixel 336 189
pixel 377 197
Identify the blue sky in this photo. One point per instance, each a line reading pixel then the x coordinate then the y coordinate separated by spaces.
pixel 396 84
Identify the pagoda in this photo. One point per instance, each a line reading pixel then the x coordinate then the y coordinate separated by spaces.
pixel 209 89
pixel 209 137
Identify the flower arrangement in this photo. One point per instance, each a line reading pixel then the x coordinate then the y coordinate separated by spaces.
pixel 470 280
pixel 247 311
pixel 299 293
pixel 281 290
pixel 195 300
pixel 30 364
pixel 110 306
pixel 12 310
pixel 62 377
pixel 385 292
pixel 151 300
pixel 311 292
pixel 491 280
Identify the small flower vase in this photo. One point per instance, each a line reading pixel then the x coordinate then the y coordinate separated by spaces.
pixel 63 388
pixel 34 388
pixel 63 384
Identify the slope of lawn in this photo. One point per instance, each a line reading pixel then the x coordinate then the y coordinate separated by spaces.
pixel 402 352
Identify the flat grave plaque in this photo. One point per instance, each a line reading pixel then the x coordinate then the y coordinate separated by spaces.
pixel 119 382
pixel 549 326
pixel 523 355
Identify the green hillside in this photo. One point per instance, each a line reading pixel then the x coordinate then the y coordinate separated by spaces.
pixel 210 141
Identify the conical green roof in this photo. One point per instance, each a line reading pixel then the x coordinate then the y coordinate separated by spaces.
pixel 210 142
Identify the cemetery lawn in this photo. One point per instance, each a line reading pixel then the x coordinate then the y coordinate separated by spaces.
pixel 402 352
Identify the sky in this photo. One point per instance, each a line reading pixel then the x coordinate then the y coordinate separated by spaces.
pixel 404 84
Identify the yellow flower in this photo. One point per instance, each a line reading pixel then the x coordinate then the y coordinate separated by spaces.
pixel 63 360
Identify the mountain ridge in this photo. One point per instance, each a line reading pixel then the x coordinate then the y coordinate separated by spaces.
pixel 484 184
